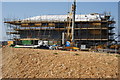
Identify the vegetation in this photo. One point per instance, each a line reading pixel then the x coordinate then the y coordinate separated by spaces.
pixel 55 53
pixel 117 55
pixel 76 54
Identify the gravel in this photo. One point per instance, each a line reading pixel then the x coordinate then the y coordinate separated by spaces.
pixel 40 63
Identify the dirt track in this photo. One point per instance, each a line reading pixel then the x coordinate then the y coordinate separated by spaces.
pixel 39 63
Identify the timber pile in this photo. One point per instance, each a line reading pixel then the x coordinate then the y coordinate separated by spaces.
pixel 39 63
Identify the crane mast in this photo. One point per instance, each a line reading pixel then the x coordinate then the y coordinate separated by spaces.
pixel 73 21
pixel 71 25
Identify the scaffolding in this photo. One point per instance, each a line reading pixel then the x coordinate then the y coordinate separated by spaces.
pixel 89 32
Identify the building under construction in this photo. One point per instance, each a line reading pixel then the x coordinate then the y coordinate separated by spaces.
pixel 90 30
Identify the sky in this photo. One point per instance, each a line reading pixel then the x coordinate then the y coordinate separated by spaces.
pixel 59 0
pixel 21 10
pixel 0 21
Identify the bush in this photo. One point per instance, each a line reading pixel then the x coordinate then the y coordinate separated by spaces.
pixel 76 54
pixel 117 55
pixel 55 53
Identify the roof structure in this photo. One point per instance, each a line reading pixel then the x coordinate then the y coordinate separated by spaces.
pixel 88 17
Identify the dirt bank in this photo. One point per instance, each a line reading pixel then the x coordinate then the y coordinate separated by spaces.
pixel 39 63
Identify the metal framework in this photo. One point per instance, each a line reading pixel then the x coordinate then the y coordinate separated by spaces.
pixel 85 32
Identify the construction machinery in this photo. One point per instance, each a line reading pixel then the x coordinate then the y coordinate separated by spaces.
pixel 108 47
pixel 70 42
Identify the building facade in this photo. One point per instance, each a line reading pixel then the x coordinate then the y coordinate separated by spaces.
pixel 90 30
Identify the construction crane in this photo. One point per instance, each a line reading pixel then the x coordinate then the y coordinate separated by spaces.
pixel 70 28
pixel 71 20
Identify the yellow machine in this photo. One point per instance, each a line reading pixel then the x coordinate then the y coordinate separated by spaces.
pixel 101 46
pixel 114 46
pixel 9 43
pixel 70 30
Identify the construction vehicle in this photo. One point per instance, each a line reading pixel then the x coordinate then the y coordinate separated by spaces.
pixel 115 45
pixel 70 43
pixel 109 47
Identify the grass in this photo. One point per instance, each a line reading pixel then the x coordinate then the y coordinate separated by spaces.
pixel 37 53
pixel 117 55
pixel 76 54
pixel 55 53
